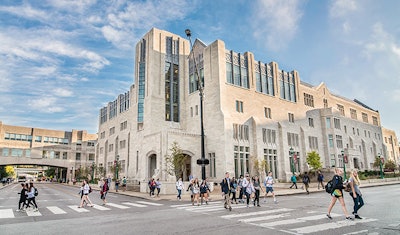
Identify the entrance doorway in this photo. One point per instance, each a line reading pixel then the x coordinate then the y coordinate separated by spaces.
pixel 152 165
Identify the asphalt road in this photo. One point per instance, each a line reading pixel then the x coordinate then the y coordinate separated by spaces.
pixel 295 214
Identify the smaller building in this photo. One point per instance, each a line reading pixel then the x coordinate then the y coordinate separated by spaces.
pixel 392 151
pixel 67 150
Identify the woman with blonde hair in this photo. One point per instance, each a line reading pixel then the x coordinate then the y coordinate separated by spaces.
pixel 355 193
pixel 337 193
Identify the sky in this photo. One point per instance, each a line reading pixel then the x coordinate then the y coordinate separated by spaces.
pixel 61 61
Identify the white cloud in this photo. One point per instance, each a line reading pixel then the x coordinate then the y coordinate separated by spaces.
pixel 26 11
pixel 63 92
pixel 341 8
pixel 45 105
pixel 276 22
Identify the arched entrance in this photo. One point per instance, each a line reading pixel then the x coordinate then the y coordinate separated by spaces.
pixel 152 165
pixel 188 168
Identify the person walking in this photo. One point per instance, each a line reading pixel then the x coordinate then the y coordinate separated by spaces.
pixel 116 185
pixel 158 187
pixel 85 198
pixel 103 191
pixel 179 188
pixel 249 189
pixel 225 188
pixel 269 187
pixel 204 189
pixel 293 179
pixel 240 188
pixel 190 187
pixel 320 179
pixel 22 198
pixel 337 194
pixel 196 191
pixel 306 182
pixel 31 197
pixel 124 184
pixel 355 193
pixel 234 186
pixel 257 188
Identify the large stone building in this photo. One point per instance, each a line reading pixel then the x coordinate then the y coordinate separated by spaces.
pixel 392 150
pixel 253 110
pixel 66 150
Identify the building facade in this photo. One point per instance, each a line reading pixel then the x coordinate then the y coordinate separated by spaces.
pixel 391 145
pixel 66 150
pixel 253 111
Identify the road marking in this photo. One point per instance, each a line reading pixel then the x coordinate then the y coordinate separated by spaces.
pixel 33 213
pixel 150 203
pixel 295 221
pixel 134 204
pixel 80 210
pixel 358 232
pixel 215 208
pixel 102 208
pixel 255 213
pixel 190 205
pixel 117 206
pixel 263 218
pixel 327 226
pixel 56 210
pixel 6 213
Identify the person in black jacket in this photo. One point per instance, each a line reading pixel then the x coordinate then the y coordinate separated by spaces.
pixel 225 188
pixel 22 198
pixel 337 193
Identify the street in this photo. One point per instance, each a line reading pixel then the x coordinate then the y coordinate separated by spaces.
pixel 295 214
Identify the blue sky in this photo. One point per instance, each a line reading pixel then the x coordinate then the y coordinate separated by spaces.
pixel 61 61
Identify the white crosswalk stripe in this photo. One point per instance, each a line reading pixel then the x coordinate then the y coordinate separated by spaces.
pixel 102 208
pixel 56 210
pixel 150 203
pixel 332 225
pixel 6 213
pixel 117 205
pixel 134 204
pixel 33 213
pixel 77 209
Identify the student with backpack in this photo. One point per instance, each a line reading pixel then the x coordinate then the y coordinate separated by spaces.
pixel 293 179
pixel 337 193
pixel 103 191
pixel 22 198
pixel 85 194
pixel 31 194
pixel 320 179
pixel 306 182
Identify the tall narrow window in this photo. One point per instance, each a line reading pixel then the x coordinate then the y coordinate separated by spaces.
pixel 239 106
pixel 267 112
pixel 141 80
pixel 172 80
pixel 291 117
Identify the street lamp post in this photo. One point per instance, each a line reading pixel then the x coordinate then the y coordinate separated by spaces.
pixel 202 161
pixel 344 164
pixel 291 152
pixel 116 167
pixel 93 165
pixel 381 161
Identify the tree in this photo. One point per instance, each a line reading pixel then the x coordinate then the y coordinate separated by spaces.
pixel 9 170
pixel 377 162
pixel 260 167
pixel 113 169
pixel 175 162
pixel 3 172
pixel 50 172
pixel 314 160
pixel 391 165
pixel 100 171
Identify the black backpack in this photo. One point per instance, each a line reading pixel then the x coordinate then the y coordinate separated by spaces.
pixel 329 186
pixel 36 192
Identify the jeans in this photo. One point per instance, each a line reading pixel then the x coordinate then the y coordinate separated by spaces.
pixel 179 193
pixel 358 202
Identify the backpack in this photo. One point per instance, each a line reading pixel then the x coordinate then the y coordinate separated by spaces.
pixel 305 179
pixel 329 186
pixel 107 188
pixel 90 189
pixel 36 192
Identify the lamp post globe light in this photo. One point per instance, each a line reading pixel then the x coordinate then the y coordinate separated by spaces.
pixel 291 153
pixel 202 161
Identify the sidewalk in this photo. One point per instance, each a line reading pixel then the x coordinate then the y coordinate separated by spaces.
pixel 280 189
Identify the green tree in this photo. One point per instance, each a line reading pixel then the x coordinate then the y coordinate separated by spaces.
pixel 260 167
pixel 50 172
pixel 3 172
pixel 377 162
pixel 9 171
pixel 391 165
pixel 175 162
pixel 314 160
pixel 100 171
pixel 113 170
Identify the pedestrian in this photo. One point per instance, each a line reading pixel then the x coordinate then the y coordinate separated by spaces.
pixel 233 189
pixel 257 188
pixel 249 189
pixel 81 192
pixel 269 187
pixel 306 182
pixel 158 187
pixel 179 188
pixel 355 193
pixel 190 187
pixel 320 179
pixel 124 184
pixel 152 186
pixel 109 181
pixel 196 191
pixel 104 190
pixel 293 179
pixel 31 196
pixel 116 185
pixel 85 197
pixel 22 198
pixel 204 189
pixel 240 188
pixel 225 188
pixel 338 194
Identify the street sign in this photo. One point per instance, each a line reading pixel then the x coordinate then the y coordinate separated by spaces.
pixel 201 161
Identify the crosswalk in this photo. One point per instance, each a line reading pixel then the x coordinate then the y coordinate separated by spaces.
pixel 285 220
pixel 8 213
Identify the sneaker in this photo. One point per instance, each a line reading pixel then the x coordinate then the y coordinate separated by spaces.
pixel 258 205
pixel 230 208
pixel 357 216
pixel 36 210
pixel 276 202
pixel 17 210
pixel 349 218
pixel 329 216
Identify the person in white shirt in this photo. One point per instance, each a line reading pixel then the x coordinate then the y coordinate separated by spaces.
pixel 85 188
pixel 268 183
pixel 179 187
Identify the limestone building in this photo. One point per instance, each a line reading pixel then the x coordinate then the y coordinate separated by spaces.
pixel 66 150
pixel 391 145
pixel 253 110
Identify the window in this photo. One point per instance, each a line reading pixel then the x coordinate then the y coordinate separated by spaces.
pixel 213 163
pixel 240 132
pixel 103 135
pixel 123 102
pixel 271 157
pixel 293 139
pixel 308 100
pixel 38 139
pixel 91 156
pixel 65 156
pixel 291 117
pixel 336 123
pixel 341 109
pixel 27 153
pixel 310 122
pixel 287 85
pixel 236 69
pixel 241 159
pixel 16 152
pixel 375 121
pixel 110 147
pixel 123 125
pixel 264 79
pixel 328 122
pixel 103 115
pixel 90 144
pixel 122 144
pixel 330 139
pixel 239 106
pixel 78 156
pixel 5 152
pixel 267 112
pixel 112 131
pixel 172 81
pixel 313 141
pixel 141 81
pixel 269 136
pixel 113 108
pixel 339 142
pixel 353 113
pixel 333 160
pixel 351 143
pixel 326 103
pixel 191 111
pixel 364 117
